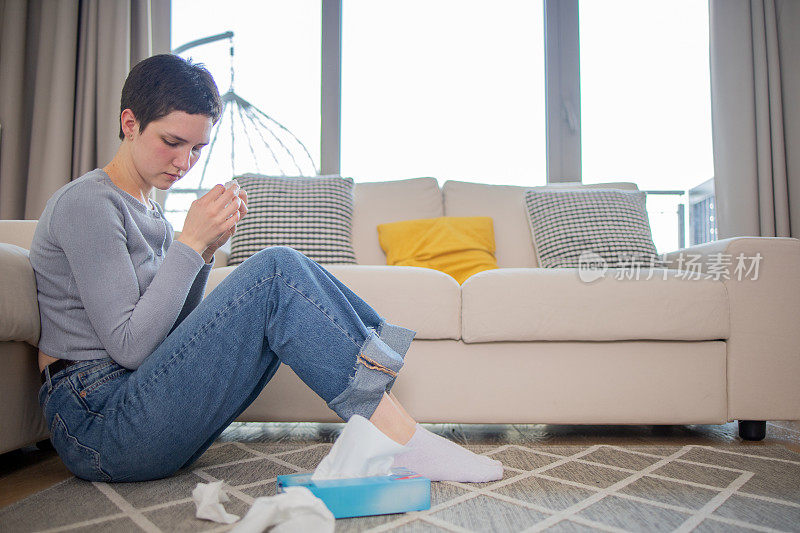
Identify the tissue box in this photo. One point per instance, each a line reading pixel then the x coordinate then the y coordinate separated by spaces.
pixel 399 492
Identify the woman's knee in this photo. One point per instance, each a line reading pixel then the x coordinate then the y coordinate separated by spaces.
pixel 282 252
pixel 278 257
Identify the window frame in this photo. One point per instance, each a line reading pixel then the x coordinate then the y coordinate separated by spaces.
pixel 562 89
pixel 331 89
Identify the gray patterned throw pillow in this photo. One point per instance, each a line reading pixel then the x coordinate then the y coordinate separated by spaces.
pixel 611 223
pixel 312 215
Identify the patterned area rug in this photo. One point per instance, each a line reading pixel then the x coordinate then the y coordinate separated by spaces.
pixel 552 488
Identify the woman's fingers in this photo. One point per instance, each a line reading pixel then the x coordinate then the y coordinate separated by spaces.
pixel 243 203
pixel 223 205
pixel 213 217
pixel 214 194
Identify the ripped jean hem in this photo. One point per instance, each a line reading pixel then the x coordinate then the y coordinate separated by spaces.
pixel 398 339
pixel 377 366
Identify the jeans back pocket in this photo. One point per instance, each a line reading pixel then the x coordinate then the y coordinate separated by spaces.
pixel 93 381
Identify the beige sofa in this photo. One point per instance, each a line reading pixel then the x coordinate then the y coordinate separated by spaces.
pixel 519 344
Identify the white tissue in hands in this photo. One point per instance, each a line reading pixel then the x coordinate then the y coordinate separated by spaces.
pixel 296 509
pixel 207 498
pixel 362 450
pixel 233 184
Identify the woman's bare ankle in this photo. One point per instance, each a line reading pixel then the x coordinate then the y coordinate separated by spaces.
pixel 393 421
pixel 401 408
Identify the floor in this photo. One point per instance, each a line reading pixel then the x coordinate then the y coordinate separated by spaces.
pixel 29 470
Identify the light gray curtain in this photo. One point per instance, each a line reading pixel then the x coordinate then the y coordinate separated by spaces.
pixel 755 104
pixel 62 67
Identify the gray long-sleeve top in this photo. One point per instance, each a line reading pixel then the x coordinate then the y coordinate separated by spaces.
pixel 110 280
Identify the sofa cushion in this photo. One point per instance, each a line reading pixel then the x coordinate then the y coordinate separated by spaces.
pixel 458 246
pixel 19 306
pixel 312 215
pixel 609 224
pixel 505 204
pixel 555 305
pixel 390 201
pixel 425 300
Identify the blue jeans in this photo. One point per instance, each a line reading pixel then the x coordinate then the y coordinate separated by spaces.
pixel 109 423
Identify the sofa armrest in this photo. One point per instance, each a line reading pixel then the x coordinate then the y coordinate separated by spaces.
pixel 763 285
pixel 18 232
pixel 19 306
pixel 703 253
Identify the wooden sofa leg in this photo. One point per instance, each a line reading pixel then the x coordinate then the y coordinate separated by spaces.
pixel 752 429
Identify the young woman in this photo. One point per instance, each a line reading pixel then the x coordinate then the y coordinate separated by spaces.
pixel 140 374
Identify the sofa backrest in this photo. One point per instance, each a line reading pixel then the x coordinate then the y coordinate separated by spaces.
pixel 390 201
pixel 374 203
pixel 505 204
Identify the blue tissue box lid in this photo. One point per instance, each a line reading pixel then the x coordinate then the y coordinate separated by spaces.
pixel 399 492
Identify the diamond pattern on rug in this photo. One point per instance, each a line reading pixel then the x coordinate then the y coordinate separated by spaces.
pixel 669 492
pixel 775 515
pixel 264 489
pixel 568 526
pixel 118 525
pixel 308 458
pixel 778 479
pixel 704 475
pixel 226 452
pixel 141 494
pixel 27 515
pixel 250 471
pixel 483 513
pixel 551 495
pixel 552 488
pixel 444 492
pixel 633 516
pixel 516 457
pixel 181 517
pixel 417 526
pixel 363 523
pixel 622 458
pixel 714 526
pixel 587 474
pixel 274 448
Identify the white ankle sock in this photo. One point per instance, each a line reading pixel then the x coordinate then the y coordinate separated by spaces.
pixel 439 459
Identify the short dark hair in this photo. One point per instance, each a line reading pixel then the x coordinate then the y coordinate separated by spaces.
pixel 164 83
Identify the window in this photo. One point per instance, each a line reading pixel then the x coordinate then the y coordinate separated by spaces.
pixel 646 104
pixel 455 89
pixel 276 67
pixel 452 89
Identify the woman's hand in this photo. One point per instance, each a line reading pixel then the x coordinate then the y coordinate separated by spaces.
pixel 212 219
pixel 213 247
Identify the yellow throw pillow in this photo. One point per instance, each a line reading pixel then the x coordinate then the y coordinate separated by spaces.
pixel 459 246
